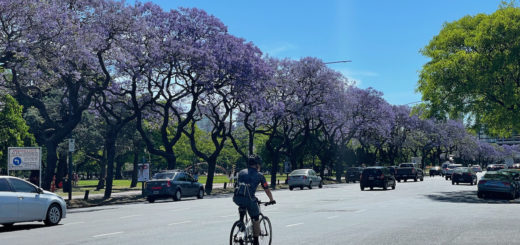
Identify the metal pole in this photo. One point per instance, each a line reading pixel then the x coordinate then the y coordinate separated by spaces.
pixel 40 179
pixel 70 175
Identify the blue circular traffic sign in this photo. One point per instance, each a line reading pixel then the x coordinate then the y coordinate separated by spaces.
pixel 17 161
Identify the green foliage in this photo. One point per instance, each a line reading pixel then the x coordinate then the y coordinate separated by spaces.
pixel 13 129
pixel 475 70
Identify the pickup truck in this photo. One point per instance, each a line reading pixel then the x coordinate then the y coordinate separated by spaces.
pixel 407 171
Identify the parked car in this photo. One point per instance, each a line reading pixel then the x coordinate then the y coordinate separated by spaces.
pixel 436 170
pixel 353 174
pixel 377 177
pixel 464 175
pixel 21 201
pixel 393 169
pixel 515 166
pixel 407 171
pixel 476 168
pixel 494 182
pixel 450 169
pixel 496 167
pixel 304 178
pixel 515 174
pixel 174 184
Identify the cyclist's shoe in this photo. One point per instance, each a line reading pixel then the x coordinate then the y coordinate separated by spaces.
pixel 255 241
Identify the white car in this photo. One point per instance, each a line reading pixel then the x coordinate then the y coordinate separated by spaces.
pixel 22 201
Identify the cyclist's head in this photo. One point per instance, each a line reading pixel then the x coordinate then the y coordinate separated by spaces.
pixel 254 161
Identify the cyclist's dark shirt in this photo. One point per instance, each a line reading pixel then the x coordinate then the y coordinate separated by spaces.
pixel 252 177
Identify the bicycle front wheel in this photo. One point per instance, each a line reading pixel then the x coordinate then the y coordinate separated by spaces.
pixel 238 235
pixel 266 231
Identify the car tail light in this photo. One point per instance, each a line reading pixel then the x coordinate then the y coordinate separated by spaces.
pixel 304 177
pixel 382 176
pixel 413 171
pixel 506 183
pixel 481 182
pixel 168 183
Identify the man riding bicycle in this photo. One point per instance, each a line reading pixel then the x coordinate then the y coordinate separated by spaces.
pixel 244 197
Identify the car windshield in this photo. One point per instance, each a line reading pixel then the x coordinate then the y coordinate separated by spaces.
pixel 372 171
pixel 496 176
pixel 298 172
pixel 163 176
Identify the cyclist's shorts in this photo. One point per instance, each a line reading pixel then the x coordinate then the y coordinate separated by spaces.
pixel 250 205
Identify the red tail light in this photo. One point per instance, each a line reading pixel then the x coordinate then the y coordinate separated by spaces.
pixel 506 183
pixel 413 171
pixel 168 184
pixel 304 177
pixel 481 182
pixel 382 176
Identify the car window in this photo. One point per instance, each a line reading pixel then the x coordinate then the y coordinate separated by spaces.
pixel 312 173
pixel 4 186
pixel 298 172
pixel 181 177
pixel 22 186
pixel 189 178
pixel 163 176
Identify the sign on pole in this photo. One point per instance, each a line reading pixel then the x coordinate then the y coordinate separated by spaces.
pixel 143 173
pixel 71 145
pixel 24 158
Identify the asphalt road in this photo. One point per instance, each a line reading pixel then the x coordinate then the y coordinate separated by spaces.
pixel 429 212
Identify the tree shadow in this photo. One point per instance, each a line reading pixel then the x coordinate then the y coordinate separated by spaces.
pixel 20 227
pixel 470 197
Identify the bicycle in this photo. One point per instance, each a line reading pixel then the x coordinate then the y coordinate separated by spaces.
pixel 242 229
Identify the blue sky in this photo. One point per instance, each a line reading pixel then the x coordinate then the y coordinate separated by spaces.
pixel 382 38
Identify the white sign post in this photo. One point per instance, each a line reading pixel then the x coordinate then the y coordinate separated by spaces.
pixel 25 158
pixel 143 173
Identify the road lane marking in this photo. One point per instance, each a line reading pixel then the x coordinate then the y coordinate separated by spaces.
pixel 332 217
pixel 130 216
pixel 108 234
pixel 226 216
pixel 74 223
pixel 294 225
pixel 360 211
pixel 178 223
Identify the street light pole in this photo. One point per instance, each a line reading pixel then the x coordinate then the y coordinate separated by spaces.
pixel 339 61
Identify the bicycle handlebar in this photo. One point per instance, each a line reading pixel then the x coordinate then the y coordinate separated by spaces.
pixel 266 203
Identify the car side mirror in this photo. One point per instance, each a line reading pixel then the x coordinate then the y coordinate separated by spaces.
pixel 39 190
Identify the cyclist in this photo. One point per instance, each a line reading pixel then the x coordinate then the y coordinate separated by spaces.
pixel 244 197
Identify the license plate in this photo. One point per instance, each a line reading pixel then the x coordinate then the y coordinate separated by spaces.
pixel 155 192
pixel 370 178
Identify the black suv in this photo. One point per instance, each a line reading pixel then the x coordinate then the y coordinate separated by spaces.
pixel 377 177
pixel 353 174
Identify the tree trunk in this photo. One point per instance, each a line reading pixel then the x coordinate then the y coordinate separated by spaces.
pixel 212 163
pixel 171 159
pixel 119 167
pixel 51 164
pixel 62 168
pixel 110 147
pixel 134 169
pixel 274 170
pixel 251 145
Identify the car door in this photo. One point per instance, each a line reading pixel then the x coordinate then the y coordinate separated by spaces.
pixel 184 184
pixel 315 179
pixel 194 185
pixel 30 204
pixel 8 203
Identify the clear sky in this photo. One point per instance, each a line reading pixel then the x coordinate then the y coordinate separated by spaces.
pixel 381 37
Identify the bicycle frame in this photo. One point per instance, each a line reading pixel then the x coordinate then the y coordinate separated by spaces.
pixel 245 226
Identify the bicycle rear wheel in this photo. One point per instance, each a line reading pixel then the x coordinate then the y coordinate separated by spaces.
pixel 238 235
pixel 266 231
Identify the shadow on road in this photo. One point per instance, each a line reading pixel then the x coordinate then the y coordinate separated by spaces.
pixel 470 197
pixel 21 227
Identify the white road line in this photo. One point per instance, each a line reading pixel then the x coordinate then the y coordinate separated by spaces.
pixel 332 217
pixel 183 222
pixel 360 211
pixel 294 225
pixel 108 234
pixel 74 223
pixel 130 216
pixel 226 216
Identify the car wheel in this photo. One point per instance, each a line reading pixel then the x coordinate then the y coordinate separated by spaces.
pixel 177 195
pixel 321 184
pixel 53 215
pixel 511 196
pixel 405 180
pixel 415 179
pixel 457 183
pixel 301 187
pixel 201 194
pixel 291 188
pixel 310 185
pixel 446 177
pixel 371 187
pixel 362 188
pixel 393 187
pixel 453 183
pixel 354 181
pixel 422 178
pixel 398 180
pixel 385 186
pixel 471 183
pixel 150 199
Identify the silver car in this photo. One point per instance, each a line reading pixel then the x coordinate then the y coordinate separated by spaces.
pixel 304 178
pixel 22 201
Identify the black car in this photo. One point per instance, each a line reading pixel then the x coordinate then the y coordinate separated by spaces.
pixel 435 171
pixel 377 177
pixel 464 175
pixel 353 174
pixel 173 184
pixel 496 167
